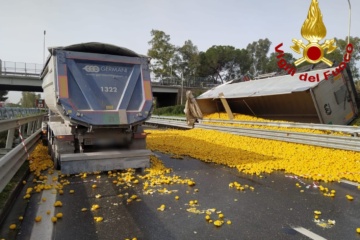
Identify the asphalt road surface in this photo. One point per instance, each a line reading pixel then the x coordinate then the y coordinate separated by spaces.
pixel 280 207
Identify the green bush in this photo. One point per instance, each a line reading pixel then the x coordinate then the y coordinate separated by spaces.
pixel 177 110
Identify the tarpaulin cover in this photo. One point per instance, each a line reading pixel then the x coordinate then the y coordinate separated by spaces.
pixel 267 86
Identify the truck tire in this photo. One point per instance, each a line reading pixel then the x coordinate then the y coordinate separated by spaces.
pixel 44 142
pixel 56 156
pixel 138 143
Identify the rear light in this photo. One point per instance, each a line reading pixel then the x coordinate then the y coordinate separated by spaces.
pixel 139 135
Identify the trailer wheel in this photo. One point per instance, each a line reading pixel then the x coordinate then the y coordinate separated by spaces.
pixel 56 158
pixel 49 145
pixel 140 170
pixel 49 149
pixel 138 142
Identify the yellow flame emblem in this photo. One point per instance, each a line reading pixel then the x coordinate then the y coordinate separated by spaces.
pixel 313 30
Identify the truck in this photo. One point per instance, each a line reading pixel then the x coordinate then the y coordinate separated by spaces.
pixel 98 96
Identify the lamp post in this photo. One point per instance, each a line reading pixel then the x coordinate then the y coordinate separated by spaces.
pixel 349 20
pixel 44 48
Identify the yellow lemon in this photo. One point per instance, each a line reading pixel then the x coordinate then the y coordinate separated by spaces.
pixel 349 197
pixel 218 223
pixel 38 219
pixel 94 207
pixel 54 219
pixel 98 219
pixel 59 215
pixel 12 226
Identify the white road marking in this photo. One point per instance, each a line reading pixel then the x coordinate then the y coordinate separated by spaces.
pixel 350 183
pixel 308 233
pixel 44 229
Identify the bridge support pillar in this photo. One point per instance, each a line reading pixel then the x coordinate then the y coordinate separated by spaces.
pixel 10 138
pixel 29 128
pixel 22 130
pixel 38 124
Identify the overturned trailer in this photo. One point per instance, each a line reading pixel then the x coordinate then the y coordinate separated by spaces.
pixel 291 98
pixel 98 96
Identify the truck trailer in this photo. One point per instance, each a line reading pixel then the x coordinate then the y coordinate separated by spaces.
pixel 98 96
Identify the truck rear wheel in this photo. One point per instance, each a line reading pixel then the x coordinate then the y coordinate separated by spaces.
pixel 55 155
pixel 139 140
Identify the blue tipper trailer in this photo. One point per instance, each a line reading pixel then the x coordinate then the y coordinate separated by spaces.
pixel 98 96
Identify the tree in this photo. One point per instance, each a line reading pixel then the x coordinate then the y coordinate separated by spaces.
pixel 357 86
pixel 258 54
pixel 161 52
pixel 187 60
pixel 3 94
pixel 223 63
pixel 338 55
pixel 28 99
pixel 272 65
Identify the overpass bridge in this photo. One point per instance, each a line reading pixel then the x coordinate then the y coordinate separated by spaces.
pixel 18 76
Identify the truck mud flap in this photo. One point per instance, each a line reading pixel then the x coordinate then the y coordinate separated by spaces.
pixel 104 161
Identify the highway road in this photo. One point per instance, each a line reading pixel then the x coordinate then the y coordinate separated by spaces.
pixel 276 206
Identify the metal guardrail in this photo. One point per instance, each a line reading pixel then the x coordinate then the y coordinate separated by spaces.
pixel 353 130
pixel 323 140
pixel 20 68
pixel 10 113
pixel 12 161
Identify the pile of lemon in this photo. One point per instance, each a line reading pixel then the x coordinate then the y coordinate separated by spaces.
pixel 257 156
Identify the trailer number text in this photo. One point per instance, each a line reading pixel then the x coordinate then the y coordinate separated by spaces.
pixel 109 89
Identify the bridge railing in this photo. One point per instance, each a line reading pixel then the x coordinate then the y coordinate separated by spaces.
pixel 10 113
pixel 20 68
pixel 195 82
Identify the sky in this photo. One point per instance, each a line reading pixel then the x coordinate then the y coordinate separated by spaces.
pixel 129 23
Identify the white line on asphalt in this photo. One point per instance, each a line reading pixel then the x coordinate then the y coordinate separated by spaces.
pixel 308 233
pixel 350 183
pixel 44 229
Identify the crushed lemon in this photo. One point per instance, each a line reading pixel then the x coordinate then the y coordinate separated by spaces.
pixel 161 208
pixel 218 223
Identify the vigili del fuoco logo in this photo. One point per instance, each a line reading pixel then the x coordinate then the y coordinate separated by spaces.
pixel 313 30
